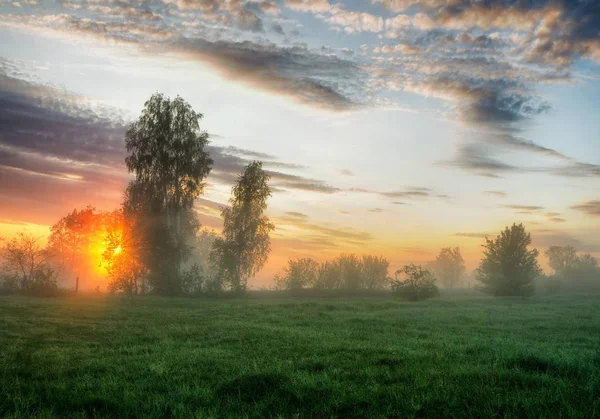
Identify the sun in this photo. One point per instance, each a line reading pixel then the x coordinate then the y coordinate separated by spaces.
pixel 118 250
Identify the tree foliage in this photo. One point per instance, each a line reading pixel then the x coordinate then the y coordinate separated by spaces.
pixel 298 274
pixel 71 239
pixel 419 284
pixel 561 258
pixel 245 245
pixel 167 155
pixel 449 266
pixel 123 255
pixel 374 272
pixel 508 268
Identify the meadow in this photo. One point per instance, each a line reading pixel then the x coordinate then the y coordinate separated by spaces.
pixel 459 356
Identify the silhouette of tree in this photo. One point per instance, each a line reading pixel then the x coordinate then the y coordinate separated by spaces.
pixel 374 272
pixel 449 266
pixel 244 246
pixel 298 274
pixel 508 268
pixel 351 271
pixel 167 154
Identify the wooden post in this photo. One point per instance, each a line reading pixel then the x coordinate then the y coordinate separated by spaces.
pixel 76 284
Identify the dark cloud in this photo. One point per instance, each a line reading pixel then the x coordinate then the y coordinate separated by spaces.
pixel 313 79
pixel 376 210
pixel 589 207
pixel 476 158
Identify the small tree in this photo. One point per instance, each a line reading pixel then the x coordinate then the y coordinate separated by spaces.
pixel 299 274
pixel 245 245
pixel 374 272
pixel 508 268
pixel 23 256
pixel 418 285
pixel 449 266
pixel 561 258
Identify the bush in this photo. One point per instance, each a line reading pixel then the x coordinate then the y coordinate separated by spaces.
pixel 192 281
pixel 44 284
pixel 9 283
pixel 418 285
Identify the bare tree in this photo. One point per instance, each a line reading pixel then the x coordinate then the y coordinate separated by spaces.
pixel 24 256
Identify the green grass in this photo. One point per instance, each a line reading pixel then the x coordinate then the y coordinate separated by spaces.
pixel 362 357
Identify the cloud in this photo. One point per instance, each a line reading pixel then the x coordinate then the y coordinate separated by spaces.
pixel 528 208
pixel 547 238
pixel 313 6
pixel 591 207
pixel 346 172
pixel 472 235
pixel 495 193
pixel 376 210
pixel 316 80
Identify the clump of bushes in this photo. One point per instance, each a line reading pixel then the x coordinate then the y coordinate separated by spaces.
pixel 418 285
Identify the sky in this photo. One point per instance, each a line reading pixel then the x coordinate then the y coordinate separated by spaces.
pixel 389 127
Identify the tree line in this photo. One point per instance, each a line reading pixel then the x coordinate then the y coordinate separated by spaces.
pixel 154 243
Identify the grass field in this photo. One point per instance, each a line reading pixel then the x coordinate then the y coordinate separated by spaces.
pixel 361 357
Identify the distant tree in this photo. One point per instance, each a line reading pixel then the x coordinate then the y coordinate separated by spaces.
pixel 351 271
pixel 167 154
pixel 582 275
pixel 508 268
pixel 374 272
pixel 560 258
pixel 24 257
pixel 449 266
pixel 245 245
pixel 298 274
pixel 418 285
pixel 329 275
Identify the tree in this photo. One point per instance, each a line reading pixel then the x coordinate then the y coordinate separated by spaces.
pixel 72 237
pixel 560 258
pixel 298 274
pixel 123 255
pixel 418 285
pixel 329 275
pixel 508 268
pixel 24 257
pixel 449 266
pixel 374 272
pixel 351 271
pixel 167 154
pixel 245 245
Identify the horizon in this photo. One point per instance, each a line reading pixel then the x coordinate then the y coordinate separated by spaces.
pixel 387 128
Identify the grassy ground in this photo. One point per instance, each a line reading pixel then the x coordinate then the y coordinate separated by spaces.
pixel 363 357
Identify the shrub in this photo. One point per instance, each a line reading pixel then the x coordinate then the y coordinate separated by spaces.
pixel 418 285
pixel 44 284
